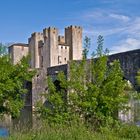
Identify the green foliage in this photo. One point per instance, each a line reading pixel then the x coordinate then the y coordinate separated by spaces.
pixel 3 49
pixel 87 42
pixel 93 92
pixel 131 132
pixel 138 80
pixel 76 131
pixel 97 88
pixel 56 132
pixel 121 131
pixel 55 108
pixel 12 78
pixel 100 42
pixel 102 95
pixel 100 51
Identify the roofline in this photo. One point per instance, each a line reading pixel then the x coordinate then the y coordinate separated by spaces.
pixel 19 44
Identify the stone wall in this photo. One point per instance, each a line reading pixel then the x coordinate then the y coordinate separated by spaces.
pixel 17 51
pixel 39 84
pixel 63 54
pixel 130 63
pixel 53 71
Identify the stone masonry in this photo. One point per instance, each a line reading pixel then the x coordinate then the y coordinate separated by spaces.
pixel 48 48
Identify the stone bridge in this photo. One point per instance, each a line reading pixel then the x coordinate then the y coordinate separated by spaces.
pixel 130 64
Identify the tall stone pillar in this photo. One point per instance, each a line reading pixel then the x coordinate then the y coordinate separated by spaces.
pixel 50 47
pixel 34 49
pixel 73 38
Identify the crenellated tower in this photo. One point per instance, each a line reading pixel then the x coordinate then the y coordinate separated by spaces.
pixel 50 50
pixel 35 42
pixel 73 38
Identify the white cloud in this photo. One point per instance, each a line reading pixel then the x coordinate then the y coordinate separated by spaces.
pixel 94 14
pixel 111 24
pixel 104 32
pixel 132 35
pixel 119 17
pixel 133 27
pixel 126 45
pixel 105 22
pixel 104 16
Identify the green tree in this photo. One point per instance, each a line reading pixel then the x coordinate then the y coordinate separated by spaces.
pixel 100 42
pixel 55 108
pixel 87 42
pixel 138 80
pixel 98 88
pixel 95 91
pixel 99 94
pixel 12 88
pixel 100 51
pixel 3 49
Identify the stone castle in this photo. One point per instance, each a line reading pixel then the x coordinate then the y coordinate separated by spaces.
pixel 48 48
pixel 49 53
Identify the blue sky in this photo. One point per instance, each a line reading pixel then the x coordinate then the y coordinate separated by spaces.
pixel 117 20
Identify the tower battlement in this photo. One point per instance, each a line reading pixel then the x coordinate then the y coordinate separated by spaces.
pixel 74 27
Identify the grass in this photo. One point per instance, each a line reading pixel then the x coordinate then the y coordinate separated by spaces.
pixel 76 132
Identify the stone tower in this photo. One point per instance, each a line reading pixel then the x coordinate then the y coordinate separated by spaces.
pixel 34 49
pixel 73 38
pixel 50 50
pixel 17 51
